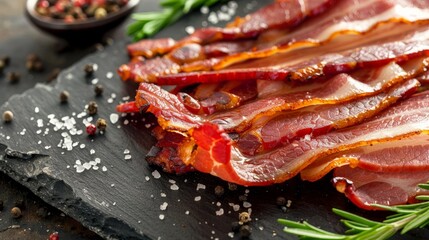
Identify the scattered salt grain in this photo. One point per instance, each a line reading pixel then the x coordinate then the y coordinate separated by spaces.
pixel 79 168
pixel 161 216
pixel 97 160
pixel 92 151
pixel 87 166
pixel 112 185
pixel 109 75
pixel 187 212
pixel 94 81
pixel 147 178
pixel 156 174
pixel 126 121
pixel 95 167
pixel 104 168
pixel 78 162
pixel 114 118
pixel 39 123
pixel 127 157
pixel 189 29
pixel 174 187
pixel 126 151
pixel 163 206
pixel 247 204
pixel 36 109
pixel 82 146
pixel 204 10
pixel 200 186
pixel 197 198
pixel 220 212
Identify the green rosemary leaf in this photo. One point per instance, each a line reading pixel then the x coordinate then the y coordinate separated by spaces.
pixel 354 217
pixel 149 23
pixel 311 233
pixel 355 225
pixel 420 219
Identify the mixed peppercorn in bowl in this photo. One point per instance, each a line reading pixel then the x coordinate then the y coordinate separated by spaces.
pixel 78 20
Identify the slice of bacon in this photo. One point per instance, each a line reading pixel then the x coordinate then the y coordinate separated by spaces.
pixel 347 17
pixel 280 14
pixel 404 155
pixel 410 118
pixel 270 132
pixel 340 88
pixel 365 187
pixel 170 109
pixel 325 65
pixel 149 48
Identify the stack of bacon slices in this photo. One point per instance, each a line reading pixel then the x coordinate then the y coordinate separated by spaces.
pixel 297 87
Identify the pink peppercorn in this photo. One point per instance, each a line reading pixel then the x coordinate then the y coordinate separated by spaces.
pixel 54 236
pixel 91 129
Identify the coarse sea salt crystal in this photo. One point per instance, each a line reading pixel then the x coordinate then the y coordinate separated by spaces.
pixel 163 206
pixel 39 123
pixel 197 198
pixel 219 212
pixel 109 75
pixel 94 81
pixel 36 109
pixel 97 160
pixel 114 118
pixel 189 29
pixel 147 178
pixel 161 216
pixel 87 166
pixel 95 167
pixel 79 168
pixel 156 174
pixel 200 186
pixel 104 168
pixel 126 151
pixel 174 187
pixel 127 157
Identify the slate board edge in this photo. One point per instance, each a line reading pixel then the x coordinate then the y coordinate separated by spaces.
pixel 116 231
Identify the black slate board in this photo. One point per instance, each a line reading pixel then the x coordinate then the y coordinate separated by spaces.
pixel 124 201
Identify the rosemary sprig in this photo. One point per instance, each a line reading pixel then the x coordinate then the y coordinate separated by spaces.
pixel 406 218
pixel 149 23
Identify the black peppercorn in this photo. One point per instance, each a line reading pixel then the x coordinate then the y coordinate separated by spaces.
pixel 280 201
pixel 98 89
pixel 92 108
pixel 64 97
pixel 242 198
pixel 245 231
pixel 219 191
pixel 232 186
pixel 5 60
pixel 13 77
pixel 7 116
pixel 16 212
pixel 244 217
pixel 89 69
pixel 101 124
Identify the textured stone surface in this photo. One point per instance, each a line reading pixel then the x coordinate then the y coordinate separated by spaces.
pixel 127 200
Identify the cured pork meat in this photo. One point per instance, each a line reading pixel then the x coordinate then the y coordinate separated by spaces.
pixel 266 98
pixel 325 65
pixel 404 155
pixel 365 187
pixel 409 118
pixel 271 132
pixel 280 14
pixel 347 17
pixel 174 114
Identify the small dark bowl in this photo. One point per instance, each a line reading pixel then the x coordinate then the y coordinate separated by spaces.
pixel 79 31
